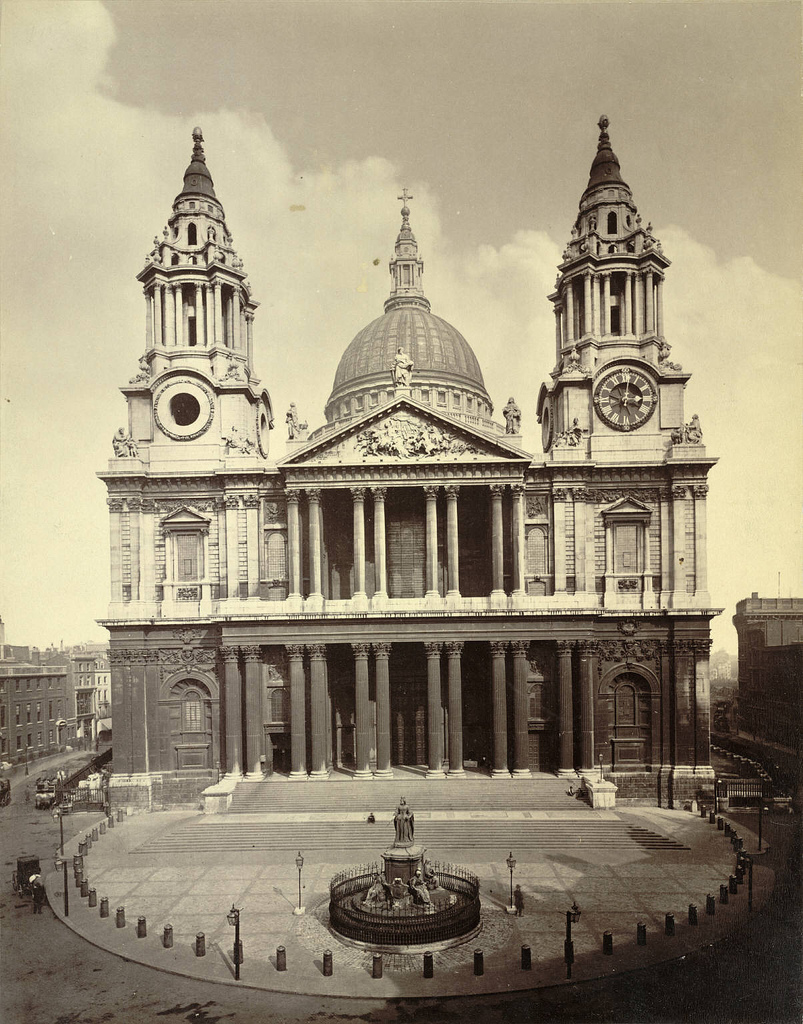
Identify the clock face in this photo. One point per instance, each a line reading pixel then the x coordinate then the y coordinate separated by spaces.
pixel 183 408
pixel 546 426
pixel 625 398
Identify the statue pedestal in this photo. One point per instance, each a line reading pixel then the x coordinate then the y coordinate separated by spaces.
pixel 402 862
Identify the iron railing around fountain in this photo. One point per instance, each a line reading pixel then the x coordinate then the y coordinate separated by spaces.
pixel 404 926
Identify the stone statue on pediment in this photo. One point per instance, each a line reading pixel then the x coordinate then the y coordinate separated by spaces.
pixel 296 430
pixel 125 447
pixel 402 369
pixel 512 414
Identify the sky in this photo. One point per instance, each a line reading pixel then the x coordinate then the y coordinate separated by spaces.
pixel 315 115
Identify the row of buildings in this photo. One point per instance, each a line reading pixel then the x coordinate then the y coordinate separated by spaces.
pixel 52 699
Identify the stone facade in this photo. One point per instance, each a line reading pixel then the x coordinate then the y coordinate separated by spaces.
pixel 408 586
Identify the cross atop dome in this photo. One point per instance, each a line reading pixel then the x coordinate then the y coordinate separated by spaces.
pixel 406 266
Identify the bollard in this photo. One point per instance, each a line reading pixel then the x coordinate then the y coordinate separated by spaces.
pixel 669 924
pixel 95 834
pixel 102 828
pixel 712 818
pixel 327 963
pixel 429 965
pixel 739 843
pixel 111 821
pixel 77 862
pixel 692 913
pixel 641 934
pixel 703 812
pixel 723 894
pixel 84 887
pixel 376 966
pixel 720 824
pixel 739 874
pixel 200 942
pixel 81 847
pixel 120 813
pixel 727 828
pixel 526 958
pixel 607 943
pixel 281 958
pixel 93 898
pixel 120 919
pixel 710 905
pixel 479 962
pixel 104 906
pixel 142 928
pixel 79 877
pixel 167 937
pixel 88 841
pixel 732 888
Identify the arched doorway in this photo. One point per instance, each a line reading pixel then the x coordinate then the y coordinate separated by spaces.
pixel 190 709
pixel 629 700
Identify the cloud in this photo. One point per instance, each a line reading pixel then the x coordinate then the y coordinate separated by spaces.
pixel 93 180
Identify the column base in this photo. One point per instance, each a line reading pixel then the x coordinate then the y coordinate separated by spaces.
pixel 456 773
pixel 435 773
pixel 319 776
pixel 500 773
pixel 298 777
pixel 293 603
pixel 498 599
pixel 384 773
pixel 314 603
pixel 522 773
pixel 235 774
pixel 360 601
pixel 380 599
pixel 363 775
pixel 253 777
pixel 566 773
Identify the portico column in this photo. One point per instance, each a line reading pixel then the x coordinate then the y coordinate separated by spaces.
pixel 380 550
pixel 659 306
pixel 452 542
pixel 521 737
pixel 363 709
pixel 606 304
pixel 678 545
pixel 298 739
pixel 294 542
pixel 431 493
pixel 358 506
pixel 559 495
pixel 382 656
pixel 648 303
pixel 497 549
pixel 434 711
pixel 253 710
pixel 570 333
pixel 518 538
pixel 587 302
pixel 314 500
pixel 499 695
pixel 454 651
pixel 566 713
pixel 702 705
pixel 232 506
pixel 586 705
pixel 700 542
pixel 318 711
pixel 234 722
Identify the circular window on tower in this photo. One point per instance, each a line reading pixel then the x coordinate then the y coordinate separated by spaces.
pixel 183 408
pixel 264 425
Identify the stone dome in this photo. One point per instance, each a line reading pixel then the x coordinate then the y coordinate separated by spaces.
pixel 445 370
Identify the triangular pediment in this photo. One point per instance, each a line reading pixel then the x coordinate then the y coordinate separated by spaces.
pixel 185 517
pixel 405 431
pixel 627 506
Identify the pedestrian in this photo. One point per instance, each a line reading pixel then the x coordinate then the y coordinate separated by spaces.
pixel 371 819
pixel 38 891
pixel 518 901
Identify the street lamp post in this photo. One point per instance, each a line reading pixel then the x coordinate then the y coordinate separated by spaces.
pixel 299 864
pixel 233 917
pixel 61 861
pixel 572 917
pixel 58 814
pixel 511 863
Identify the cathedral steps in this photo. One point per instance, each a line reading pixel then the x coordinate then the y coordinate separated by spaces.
pixel 221 834
pixel 483 794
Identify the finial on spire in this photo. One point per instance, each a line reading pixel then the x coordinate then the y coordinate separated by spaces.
pixel 405 198
pixel 198 149
pixel 604 140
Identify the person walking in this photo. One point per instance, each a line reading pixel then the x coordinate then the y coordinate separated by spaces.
pixel 38 891
pixel 518 901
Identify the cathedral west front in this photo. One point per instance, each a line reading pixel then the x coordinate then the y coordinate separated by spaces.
pixel 405 588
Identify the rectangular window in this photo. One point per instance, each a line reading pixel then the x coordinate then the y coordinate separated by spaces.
pixel 39 738
pixel 626 548
pixel 29 740
pixel 38 712
pixel 441 398
pixel 187 552
pixel 19 743
pixel 27 712
pixel 50 710
pixel 2 744
pixel 50 734
pixel 18 714
pixel 192 716
pixel 2 716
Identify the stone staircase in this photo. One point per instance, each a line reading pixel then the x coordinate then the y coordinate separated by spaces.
pixel 544 793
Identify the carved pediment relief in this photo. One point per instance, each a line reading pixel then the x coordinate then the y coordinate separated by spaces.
pixel 627 506
pixel 185 517
pixel 405 434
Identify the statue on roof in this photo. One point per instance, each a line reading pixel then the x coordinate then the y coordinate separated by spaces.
pixel 512 414
pixel 125 447
pixel 296 430
pixel 402 369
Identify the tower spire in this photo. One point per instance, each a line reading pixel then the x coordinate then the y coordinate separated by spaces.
pixel 406 266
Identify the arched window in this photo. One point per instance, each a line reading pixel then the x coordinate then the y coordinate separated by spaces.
pixel 190 713
pixel 280 705
pixel 174 259
pixel 276 555
pixel 536 552
pixel 192 235
pixel 612 228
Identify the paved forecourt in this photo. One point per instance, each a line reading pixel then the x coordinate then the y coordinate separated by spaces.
pixel 621 867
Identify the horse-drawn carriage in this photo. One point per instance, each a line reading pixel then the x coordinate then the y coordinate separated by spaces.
pixel 27 869
pixel 45 793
